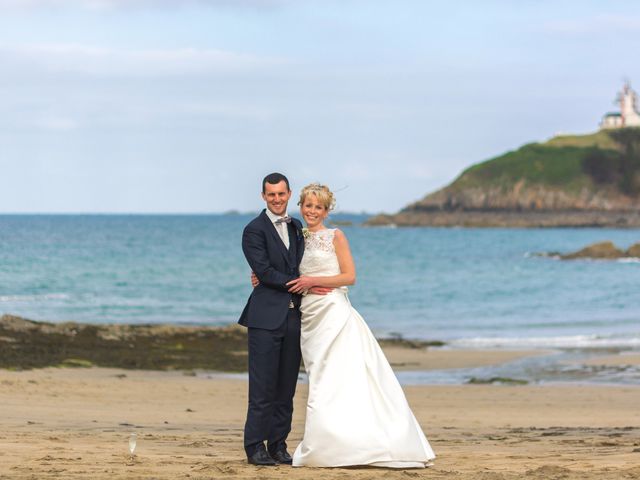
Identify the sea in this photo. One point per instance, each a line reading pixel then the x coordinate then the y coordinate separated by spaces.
pixel 467 287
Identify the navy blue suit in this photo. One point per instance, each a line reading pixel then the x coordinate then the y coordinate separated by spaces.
pixel 274 332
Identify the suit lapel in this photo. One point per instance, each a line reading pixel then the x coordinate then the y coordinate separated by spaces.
pixel 291 231
pixel 298 240
pixel 272 229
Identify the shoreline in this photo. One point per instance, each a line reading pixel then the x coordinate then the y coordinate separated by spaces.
pixel 28 345
pixel 507 219
pixel 33 344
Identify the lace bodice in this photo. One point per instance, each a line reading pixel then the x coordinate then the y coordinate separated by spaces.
pixel 319 257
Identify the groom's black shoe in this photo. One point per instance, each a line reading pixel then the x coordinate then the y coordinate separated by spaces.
pixel 261 457
pixel 281 456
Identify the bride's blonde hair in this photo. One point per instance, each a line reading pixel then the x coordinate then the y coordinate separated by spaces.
pixel 322 193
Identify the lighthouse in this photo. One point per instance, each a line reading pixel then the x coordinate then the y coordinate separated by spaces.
pixel 628 115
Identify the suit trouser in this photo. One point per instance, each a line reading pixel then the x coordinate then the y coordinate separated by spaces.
pixel 274 364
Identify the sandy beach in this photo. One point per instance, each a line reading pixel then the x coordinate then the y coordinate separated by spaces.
pixel 75 423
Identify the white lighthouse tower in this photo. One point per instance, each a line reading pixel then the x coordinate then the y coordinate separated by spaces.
pixel 628 115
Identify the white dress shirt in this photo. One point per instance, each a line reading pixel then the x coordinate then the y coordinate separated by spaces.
pixel 281 228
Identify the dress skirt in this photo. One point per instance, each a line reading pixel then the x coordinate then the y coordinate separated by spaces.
pixel 357 413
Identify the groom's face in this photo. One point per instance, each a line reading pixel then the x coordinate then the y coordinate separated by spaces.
pixel 277 197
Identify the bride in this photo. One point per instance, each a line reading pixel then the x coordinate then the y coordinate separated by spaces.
pixel 357 413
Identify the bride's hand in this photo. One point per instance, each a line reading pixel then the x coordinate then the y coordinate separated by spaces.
pixel 301 284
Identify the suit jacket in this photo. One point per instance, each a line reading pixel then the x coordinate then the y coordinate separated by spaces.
pixel 274 265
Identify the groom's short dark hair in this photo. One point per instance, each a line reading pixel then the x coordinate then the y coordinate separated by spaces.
pixel 273 179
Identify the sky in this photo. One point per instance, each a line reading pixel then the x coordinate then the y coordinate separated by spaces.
pixel 183 106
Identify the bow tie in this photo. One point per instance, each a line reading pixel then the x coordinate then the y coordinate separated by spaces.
pixel 286 219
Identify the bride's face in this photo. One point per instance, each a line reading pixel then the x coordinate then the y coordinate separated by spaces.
pixel 313 211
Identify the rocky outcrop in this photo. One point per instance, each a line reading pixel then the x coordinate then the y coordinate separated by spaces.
pixel 29 344
pixel 601 250
pixel 508 219
pixel 634 250
pixel 523 196
pixel 521 205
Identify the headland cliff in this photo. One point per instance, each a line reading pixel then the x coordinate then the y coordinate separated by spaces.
pixel 569 181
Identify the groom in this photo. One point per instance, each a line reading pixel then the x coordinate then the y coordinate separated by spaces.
pixel 273 245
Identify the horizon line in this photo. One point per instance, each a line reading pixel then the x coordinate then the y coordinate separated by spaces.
pixel 227 212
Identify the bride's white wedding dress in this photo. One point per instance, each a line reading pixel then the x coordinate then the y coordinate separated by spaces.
pixel 357 413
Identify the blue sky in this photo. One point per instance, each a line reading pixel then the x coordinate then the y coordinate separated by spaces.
pixel 184 105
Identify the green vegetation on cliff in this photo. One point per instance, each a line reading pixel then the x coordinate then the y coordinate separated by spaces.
pixel 609 158
pixel 534 163
pixel 619 167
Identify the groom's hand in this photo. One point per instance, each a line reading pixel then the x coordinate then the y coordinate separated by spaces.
pixel 254 280
pixel 300 284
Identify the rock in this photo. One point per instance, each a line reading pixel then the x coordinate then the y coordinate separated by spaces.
pixel 634 250
pixel 30 344
pixel 507 219
pixel 17 324
pixel 380 220
pixel 554 255
pixel 602 250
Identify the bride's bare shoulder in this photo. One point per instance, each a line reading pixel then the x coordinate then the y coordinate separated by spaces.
pixel 339 237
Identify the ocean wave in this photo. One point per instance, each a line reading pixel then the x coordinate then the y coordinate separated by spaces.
pixel 552 255
pixel 629 260
pixel 557 256
pixel 574 341
pixel 33 298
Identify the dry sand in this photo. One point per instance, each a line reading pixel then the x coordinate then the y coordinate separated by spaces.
pixel 75 424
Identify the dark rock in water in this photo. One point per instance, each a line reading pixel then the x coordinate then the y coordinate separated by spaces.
pixel 602 250
pixel 506 219
pixel 382 219
pixel 547 254
pixel 634 250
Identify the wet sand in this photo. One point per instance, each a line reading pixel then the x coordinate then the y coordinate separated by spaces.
pixel 619 360
pixel 75 423
pixel 407 359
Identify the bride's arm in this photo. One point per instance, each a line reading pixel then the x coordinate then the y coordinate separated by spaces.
pixel 347 275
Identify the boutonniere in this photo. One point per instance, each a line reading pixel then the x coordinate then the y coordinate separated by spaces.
pixel 305 232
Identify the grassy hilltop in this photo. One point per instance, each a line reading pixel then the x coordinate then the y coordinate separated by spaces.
pixel 572 162
pixel 581 180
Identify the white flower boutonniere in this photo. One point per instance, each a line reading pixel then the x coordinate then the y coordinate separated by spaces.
pixel 305 232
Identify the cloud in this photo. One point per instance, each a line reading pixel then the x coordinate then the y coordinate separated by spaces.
pixel 56 123
pixel 98 61
pixel 137 4
pixel 595 25
pixel 246 111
